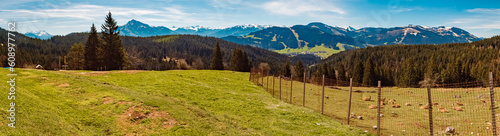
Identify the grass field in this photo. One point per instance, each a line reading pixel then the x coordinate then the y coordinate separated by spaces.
pixel 318 48
pixel 155 103
pixel 475 117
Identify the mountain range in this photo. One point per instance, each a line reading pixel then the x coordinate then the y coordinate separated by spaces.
pixel 411 34
pixel 324 40
pixel 314 38
pixel 137 28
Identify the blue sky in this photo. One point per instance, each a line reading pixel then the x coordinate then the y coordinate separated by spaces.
pixel 481 18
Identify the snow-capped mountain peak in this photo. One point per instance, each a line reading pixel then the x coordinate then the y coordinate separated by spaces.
pixel 40 34
pixel 350 28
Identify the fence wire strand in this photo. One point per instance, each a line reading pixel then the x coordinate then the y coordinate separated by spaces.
pixel 457 108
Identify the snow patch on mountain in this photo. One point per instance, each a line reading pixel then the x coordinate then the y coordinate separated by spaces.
pixel 350 28
pixel 41 34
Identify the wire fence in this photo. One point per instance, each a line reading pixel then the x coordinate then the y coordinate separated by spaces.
pixel 439 109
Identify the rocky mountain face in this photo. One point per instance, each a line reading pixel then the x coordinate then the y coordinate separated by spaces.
pixel 411 34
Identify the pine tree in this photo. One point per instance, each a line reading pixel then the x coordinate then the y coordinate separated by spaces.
pixel 216 63
pixel 357 74
pixel 431 69
pixel 453 72
pixel 286 69
pixel 369 73
pixel 326 70
pixel 320 71
pixel 114 53
pixel 299 69
pixel 92 50
pixel 235 60
pixel 409 77
pixel 341 73
pixel 245 64
pixel 239 61
pixel 76 57
pixel 330 71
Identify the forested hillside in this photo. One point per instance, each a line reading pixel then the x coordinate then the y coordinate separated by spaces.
pixel 407 65
pixel 147 53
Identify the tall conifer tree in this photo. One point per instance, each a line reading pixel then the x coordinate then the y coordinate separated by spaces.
pixel 357 74
pixel 299 69
pixel 245 64
pixel 92 50
pixel 341 73
pixel 286 69
pixel 113 52
pixel 216 63
pixel 235 60
pixel 369 73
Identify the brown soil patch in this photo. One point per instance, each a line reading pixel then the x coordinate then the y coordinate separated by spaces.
pixel 130 71
pixel 93 73
pixel 418 124
pixel 107 100
pixel 123 103
pixel 46 78
pixel 141 119
pixel 63 85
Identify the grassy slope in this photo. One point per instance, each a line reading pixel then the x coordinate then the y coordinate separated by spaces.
pixel 201 102
pixel 329 51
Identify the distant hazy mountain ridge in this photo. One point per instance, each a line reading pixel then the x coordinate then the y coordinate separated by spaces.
pixel 137 28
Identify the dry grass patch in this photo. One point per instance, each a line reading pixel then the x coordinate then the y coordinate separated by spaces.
pixel 142 119
pixel 107 100
pixel 130 71
pixel 63 85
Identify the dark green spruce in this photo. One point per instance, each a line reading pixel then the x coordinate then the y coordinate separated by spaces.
pixel 92 50
pixel 216 62
pixel 114 56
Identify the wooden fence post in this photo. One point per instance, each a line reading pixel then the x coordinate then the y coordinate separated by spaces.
pixel 273 85
pixel 492 93
pixel 304 94
pixel 350 96
pixel 250 78
pixel 262 76
pixel 323 95
pixel 267 84
pixel 429 99
pixel 378 108
pixel 253 76
pixel 291 88
pixel 280 86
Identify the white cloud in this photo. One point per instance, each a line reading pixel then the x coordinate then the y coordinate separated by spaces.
pixel 485 23
pixel 87 12
pixel 300 7
pixel 484 10
pixel 477 23
pixel 401 9
pixel 66 18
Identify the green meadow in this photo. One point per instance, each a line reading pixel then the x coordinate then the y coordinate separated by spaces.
pixel 192 102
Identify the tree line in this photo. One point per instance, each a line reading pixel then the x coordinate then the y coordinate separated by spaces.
pixel 415 65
